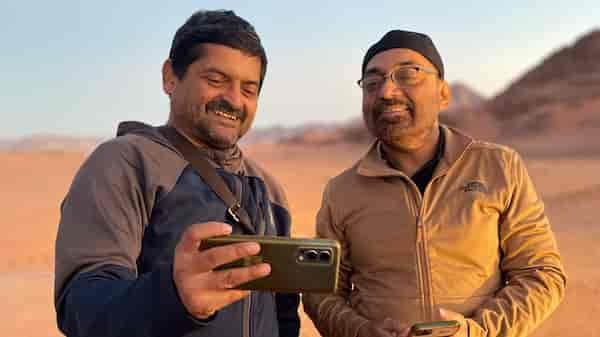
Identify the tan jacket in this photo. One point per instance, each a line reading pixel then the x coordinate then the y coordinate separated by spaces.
pixel 477 242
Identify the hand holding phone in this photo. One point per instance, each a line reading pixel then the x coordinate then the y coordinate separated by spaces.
pixel 201 290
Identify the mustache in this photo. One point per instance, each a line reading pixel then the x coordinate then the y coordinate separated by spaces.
pixel 383 103
pixel 220 104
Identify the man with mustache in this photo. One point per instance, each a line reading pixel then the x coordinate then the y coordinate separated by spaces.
pixel 434 225
pixel 127 258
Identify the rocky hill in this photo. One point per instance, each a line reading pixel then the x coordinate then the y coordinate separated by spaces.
pixel 464 98
pixel 560 95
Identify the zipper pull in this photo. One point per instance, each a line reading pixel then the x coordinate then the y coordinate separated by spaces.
pixel 419 230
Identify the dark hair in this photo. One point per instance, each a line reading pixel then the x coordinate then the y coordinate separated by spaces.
pixel 220 27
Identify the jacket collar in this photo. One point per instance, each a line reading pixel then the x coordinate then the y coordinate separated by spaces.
pixel 373 165
pixel 231 160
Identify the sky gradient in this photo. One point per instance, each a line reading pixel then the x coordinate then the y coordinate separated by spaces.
pixel 79 68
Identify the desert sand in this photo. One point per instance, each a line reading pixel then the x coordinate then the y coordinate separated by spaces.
pixel 34 183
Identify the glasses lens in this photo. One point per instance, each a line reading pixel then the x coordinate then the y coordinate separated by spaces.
pixel 371 82
pixel 406 76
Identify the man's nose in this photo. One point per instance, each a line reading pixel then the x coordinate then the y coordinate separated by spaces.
pixel 234 96
pixel 389 90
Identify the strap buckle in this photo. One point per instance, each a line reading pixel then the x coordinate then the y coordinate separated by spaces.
pixel 232 211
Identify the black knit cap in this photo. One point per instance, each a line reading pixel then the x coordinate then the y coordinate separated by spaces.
pixel 418 42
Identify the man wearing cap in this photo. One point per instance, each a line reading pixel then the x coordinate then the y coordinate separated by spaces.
pixel 434 225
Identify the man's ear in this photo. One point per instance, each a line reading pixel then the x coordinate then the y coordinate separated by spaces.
pixel 445 95
pixel 169 78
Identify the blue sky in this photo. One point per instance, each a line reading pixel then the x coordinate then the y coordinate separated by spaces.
pixel 79 68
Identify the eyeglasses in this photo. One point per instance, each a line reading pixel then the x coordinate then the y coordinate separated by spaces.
pixel 401 76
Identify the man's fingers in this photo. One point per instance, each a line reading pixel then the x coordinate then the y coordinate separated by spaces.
pixel 231 278
pixel 214 257
pixel 190 239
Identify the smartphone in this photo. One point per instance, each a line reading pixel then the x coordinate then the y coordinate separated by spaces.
pixel 435 329
pixel 297 265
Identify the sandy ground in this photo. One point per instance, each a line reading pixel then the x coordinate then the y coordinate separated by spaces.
pixel 33 184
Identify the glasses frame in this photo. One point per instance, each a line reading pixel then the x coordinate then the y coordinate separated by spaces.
pixel 389 74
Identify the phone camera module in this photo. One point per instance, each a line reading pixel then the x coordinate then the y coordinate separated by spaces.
pixel 325 256
pixel 311 255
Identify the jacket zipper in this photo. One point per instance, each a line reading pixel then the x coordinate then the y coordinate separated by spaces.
pixel 421 263
pixel 428 302
pixel 246 316
pixel 424 265
pixel 425 270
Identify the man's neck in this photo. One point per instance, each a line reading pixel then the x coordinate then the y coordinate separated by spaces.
pixel 230 159
pixel 190 139
pixel 410 161
pixel 185 134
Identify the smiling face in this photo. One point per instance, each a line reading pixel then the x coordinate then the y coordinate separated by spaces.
pixel 404 118
pixel 215 101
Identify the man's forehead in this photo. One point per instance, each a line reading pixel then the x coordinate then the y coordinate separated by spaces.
pixel 395 57
pixel 231 61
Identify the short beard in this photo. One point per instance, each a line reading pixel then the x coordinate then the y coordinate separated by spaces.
pixel 195 122
pixel 203 132
pixel 406 140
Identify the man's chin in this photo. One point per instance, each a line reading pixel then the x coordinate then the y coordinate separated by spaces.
pixel 220 141
pixel 223 143
pixel 404 139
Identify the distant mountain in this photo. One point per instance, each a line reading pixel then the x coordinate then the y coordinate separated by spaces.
pixel 467 113
pixel 51 142
pixel 4 144
pixel 284 134
pixel 561 95
pixel 352 131
pixel 464 98
pixel 265 134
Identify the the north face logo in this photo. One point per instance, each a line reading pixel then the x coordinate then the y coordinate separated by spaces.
pixel 475 186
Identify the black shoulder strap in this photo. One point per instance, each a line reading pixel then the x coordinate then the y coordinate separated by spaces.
pixel 209 174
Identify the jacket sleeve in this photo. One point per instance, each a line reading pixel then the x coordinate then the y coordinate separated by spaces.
pixel 531 265
pixel 331 313
pixel 97 289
